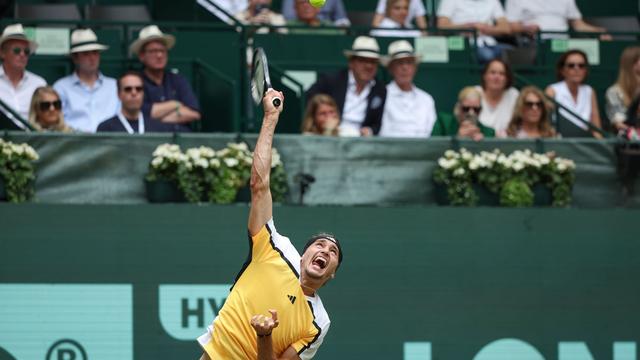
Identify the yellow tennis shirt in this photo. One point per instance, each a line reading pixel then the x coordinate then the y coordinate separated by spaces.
pixel 268 280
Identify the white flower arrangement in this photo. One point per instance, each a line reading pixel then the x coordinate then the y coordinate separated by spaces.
pixel 203 174
pixel 459 171
pixel 17 171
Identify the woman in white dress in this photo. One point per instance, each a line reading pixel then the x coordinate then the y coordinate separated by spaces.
pixel 498 95
pixel 572 93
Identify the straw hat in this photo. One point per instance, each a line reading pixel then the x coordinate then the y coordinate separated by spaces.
pixel 400 49
pixel 151 33
pixel 16 32
pixel 364 46
pixel 85 40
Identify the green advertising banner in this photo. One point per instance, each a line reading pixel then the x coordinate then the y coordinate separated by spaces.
pixel 142 282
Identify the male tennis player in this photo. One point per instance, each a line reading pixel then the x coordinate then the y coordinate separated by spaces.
pixel 273 310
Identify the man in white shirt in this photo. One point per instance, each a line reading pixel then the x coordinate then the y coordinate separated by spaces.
pixel 88 97
pixel 16 83
pixel 408 111
pixel 531 16
pixel 485 16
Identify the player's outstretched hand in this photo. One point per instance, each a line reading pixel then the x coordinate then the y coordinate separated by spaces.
pixel 267 101
pixel 265 325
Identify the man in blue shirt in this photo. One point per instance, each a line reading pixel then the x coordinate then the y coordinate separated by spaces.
pixel 168 96
pixel 88 97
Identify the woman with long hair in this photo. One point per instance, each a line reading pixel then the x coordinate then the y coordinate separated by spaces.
pixel 498 95
pixel 620 95
pixel 571 91
pixel 531 116
pixel 321 117
pixel 45 111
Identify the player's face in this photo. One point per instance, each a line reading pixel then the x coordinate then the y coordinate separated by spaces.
pixel 320 261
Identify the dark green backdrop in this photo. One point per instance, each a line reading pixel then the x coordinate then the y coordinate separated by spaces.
pixel 457 278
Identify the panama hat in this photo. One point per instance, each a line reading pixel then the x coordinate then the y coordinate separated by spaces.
pixel 151 33
pixel 400 49
pixel 85 40
pixel 16 32
pixel 364 46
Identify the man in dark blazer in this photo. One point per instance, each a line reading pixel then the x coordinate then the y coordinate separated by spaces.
pixel 360 97
pixel 130 117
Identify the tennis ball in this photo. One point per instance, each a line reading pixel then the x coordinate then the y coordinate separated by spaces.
pixel 317 3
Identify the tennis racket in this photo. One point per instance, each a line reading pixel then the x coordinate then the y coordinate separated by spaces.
pixel 260 80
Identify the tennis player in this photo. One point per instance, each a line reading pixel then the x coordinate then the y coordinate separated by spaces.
pixel 273 310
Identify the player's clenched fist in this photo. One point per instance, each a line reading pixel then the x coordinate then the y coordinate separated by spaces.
pixel 265 325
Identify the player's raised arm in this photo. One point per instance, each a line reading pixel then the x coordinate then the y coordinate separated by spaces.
pixel 261 203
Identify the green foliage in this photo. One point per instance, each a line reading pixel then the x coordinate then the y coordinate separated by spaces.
pixel 17 171
pixel 516 193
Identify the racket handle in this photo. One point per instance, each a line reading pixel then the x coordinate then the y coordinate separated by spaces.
pixel 276 101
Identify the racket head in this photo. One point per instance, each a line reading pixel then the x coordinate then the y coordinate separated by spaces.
pixel 260 79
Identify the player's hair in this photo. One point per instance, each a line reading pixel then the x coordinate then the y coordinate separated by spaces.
pixel 326 236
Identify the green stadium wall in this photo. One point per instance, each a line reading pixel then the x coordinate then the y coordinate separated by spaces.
pixel 142 282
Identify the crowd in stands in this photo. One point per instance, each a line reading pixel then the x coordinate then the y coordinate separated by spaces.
pixel 350 102
pixel 154 99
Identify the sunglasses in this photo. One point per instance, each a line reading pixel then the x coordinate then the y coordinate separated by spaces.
pixel 576 65
pixel 46 105
pixel 532 104
pixel 475 109
pixel 129 89
pixel 17 50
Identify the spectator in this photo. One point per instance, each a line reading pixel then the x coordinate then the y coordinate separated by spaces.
pixel 393 25
pixel 627 87
pixel 321 116
pixel 529 17
pixel 45 112
pixel 16 83
pixel 359 96
pixel 466 111
pixel 571 91
pixel 168 96
pixel 532 116
pixel 130 118
pixel 498 95
pixel 333 11
pixel 231 7
pixel 259 13
pixel 88 97
pixel 307 15
pixel 485 16
pixel 417 12
pixel 408 111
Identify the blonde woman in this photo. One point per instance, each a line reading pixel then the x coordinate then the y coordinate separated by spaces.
pixel 620 95
pixel 321 117
pixel 45 111
pixel 465 121
pixel 531 116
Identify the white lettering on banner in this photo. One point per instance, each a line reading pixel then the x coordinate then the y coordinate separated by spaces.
pixel 66 321
pixel 187 310
pixel 514 349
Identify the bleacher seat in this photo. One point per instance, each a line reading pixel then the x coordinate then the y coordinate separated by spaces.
pixel 47 12
pixel 137 12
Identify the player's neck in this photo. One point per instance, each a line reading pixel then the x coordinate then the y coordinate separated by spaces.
pixel 307 289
